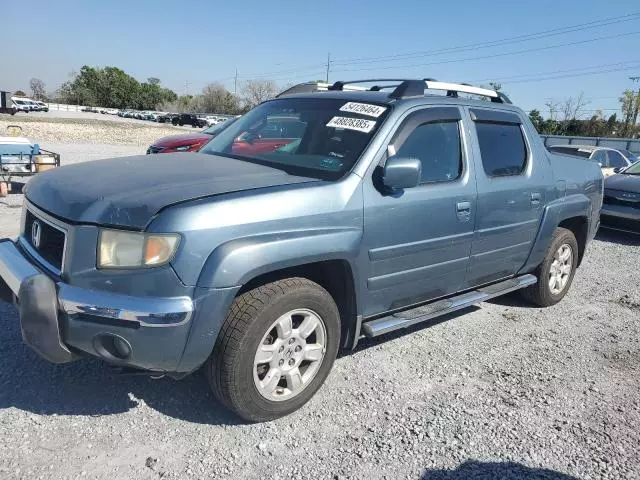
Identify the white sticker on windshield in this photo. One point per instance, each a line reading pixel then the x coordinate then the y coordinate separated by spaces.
pixel 358 124
pixel 364 109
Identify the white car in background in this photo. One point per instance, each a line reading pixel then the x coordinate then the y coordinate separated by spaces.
pixel 21 104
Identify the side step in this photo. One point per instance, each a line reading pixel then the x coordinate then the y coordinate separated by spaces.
pixel 406 318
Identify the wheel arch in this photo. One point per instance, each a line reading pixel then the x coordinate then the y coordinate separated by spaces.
pixel 336 276
pixel 571 212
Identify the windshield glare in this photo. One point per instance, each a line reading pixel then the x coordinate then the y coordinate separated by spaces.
pixel 216 129
pixel 302 136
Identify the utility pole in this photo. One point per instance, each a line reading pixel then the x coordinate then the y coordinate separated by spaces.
pixel 635 105
pixel 235 83
pixel 328 65
pixel 186 87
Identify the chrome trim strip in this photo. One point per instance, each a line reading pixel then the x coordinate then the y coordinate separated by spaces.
pixel 49 220
pixel 14 268
pixel 148 312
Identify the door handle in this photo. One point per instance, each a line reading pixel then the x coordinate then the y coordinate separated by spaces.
pixel 463 207
pixel 463 211
pixel 535 199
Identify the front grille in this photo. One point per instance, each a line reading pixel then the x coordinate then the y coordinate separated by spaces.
pixel 620 223
pixel 154 149
pixel 626 199
pixel 52 240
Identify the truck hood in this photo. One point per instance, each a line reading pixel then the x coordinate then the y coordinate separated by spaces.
pixel 128 192
pixel 624 183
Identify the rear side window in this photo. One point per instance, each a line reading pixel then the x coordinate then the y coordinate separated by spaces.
pixel 502 148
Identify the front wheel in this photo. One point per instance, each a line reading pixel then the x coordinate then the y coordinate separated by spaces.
pixel 275 349
pixel 556 272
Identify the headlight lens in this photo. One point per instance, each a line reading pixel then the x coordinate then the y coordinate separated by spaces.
pixel 120 249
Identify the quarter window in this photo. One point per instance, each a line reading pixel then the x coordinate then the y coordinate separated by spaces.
pixel 502 148
pixel 437 146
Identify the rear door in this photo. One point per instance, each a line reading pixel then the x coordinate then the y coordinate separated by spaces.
pixel 512 185
pixel 418 240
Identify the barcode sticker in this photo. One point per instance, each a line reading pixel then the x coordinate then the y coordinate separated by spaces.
pixel 363 109
pixel 357 124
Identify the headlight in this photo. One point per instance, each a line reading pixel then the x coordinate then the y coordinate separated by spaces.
pixel 183 148
pixel 120 249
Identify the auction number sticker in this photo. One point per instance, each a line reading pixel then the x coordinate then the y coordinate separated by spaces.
pixel 363 109
pixel 357 124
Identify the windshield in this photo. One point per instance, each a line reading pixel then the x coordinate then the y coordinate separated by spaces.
pixel 216 129
pixel 633 169
pixel 316 137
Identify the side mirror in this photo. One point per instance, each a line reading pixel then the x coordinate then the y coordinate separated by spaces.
pixel 400 173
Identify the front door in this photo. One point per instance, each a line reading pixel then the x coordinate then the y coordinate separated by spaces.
pixel 417 241
pixel 512 192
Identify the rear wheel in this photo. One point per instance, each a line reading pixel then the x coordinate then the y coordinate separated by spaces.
pixel 556 272
pixel 275 349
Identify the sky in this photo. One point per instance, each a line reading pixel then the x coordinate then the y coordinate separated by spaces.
pixel 525 46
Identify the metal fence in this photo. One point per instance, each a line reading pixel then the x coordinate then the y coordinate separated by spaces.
pixel 633 145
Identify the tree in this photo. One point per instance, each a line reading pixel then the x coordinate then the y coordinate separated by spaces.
pixel 19 93
pixel 112 87
pixel 257 91
pixel 217 99
pixel 38 89
pixel 630 105
pixel 536 119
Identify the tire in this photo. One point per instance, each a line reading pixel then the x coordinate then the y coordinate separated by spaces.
pixel 232 371
pixel 541 293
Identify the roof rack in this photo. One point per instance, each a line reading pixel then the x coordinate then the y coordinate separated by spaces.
pixel 402 88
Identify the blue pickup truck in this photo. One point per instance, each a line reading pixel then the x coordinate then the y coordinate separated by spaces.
pixel 362 208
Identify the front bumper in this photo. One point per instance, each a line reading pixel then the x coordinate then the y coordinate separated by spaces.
pixel 620 217
pixel 60 321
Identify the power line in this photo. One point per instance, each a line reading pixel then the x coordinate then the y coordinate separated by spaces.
pixel 461 48
pixel 494 43
pixel 495 55
pixel 533 77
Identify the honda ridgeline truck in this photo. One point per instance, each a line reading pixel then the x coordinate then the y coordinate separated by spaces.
pixel 361 210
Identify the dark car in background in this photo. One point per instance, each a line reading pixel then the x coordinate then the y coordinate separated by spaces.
pixel 621 205
pixel 189 119
pixel 188 142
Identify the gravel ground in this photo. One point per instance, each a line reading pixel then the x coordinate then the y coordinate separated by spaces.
pixel 103 129
pixel 498 391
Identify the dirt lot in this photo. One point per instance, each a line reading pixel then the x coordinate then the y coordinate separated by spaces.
pixel 46 127
pixel 499 391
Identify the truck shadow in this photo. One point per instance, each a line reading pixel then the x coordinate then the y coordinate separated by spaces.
pixel 90 387
pixel 485 470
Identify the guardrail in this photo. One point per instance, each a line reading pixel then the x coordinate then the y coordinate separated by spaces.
pixel 633 145
pixel 65 107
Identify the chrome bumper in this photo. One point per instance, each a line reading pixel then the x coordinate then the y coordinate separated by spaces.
pixel 15 269
pixel 57 319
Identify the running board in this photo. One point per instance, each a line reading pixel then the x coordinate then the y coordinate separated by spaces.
pixel 406 318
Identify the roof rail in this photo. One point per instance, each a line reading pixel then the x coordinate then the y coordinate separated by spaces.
pixel 402 88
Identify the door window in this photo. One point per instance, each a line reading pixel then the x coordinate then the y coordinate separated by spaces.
pixel 502 148
pixel 437 146
pixel 601 157
pixel 616 160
